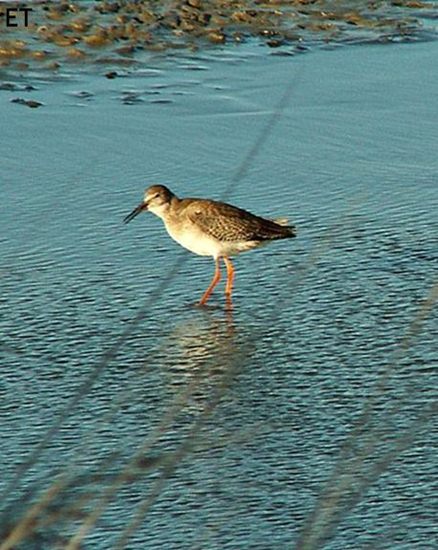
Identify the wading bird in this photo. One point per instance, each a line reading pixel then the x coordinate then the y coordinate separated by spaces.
pixel 211 228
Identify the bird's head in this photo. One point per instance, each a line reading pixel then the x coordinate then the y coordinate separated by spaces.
pixel 156 199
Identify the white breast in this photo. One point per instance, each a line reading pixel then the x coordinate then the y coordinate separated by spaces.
pixel 195 241
pixel 199 243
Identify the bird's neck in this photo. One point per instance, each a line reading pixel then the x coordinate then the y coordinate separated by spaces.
pixel 167 211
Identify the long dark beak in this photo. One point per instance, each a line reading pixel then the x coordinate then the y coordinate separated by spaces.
pixel 135 212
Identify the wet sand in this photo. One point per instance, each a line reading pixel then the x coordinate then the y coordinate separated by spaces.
pixel 124 32
pixel 316 326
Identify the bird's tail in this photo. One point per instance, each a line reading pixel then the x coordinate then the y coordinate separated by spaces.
pixel 281 221
pixel 288 231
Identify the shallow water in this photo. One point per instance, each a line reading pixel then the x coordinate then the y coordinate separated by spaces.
pixel 316 324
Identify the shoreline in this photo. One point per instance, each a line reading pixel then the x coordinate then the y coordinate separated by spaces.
pixel 126 33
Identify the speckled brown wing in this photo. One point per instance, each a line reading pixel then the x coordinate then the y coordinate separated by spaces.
pixel 229 223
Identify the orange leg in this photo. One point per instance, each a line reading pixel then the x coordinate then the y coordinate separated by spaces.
pixel 230 279
pixel 214 282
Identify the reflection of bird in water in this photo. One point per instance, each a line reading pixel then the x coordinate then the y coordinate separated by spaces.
pixel 201 354
pixel 201 343
pixel 211 228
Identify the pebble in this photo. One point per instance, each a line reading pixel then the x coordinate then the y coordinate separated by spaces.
pixel 28 102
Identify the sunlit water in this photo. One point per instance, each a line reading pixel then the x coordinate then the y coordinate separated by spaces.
pixel 317 320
